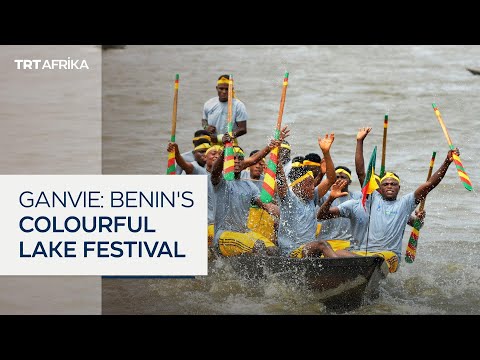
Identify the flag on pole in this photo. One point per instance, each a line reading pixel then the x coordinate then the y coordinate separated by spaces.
pixel 370 184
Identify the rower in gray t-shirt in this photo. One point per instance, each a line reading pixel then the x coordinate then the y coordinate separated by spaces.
pixel 386 225
pixel 338 228
pixel 297 224
pixel 232 205
pixel 388 222
pixel 188 157
pixel 245 176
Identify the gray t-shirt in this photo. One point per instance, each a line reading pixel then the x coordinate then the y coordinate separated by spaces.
pixel 198 169
pixel 211 201
pixel 216 112
pixel 232 205
pixel 188 157
pixel 387 221
pixel 358 216
pixel 245 176
pixel 338 228
pixel 298 222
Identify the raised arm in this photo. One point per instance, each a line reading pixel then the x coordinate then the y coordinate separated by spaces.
pixel 325 211
pixel 325 144
pixel 420 215
pixel 321 174
pixel 217 169
pixel 185 165
pixel 259 155
pixel 359 162
pixel 281 180
pixel 435 179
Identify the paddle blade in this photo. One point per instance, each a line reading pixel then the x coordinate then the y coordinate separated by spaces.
pixel 413 242
pixel 461 173
pixel 171 159
pixel 171 163
pixel 228 162
pixel 268 188
pixel 456 159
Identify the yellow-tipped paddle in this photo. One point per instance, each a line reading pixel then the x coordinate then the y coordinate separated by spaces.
pixel 229 162
pixel 411 251
pixel 171 154
pixel 384 147
pixel 456 159
pixel 268 188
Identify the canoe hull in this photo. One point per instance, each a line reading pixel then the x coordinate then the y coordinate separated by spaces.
pixel 343 284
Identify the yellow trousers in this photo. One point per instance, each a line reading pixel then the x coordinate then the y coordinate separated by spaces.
pixel 261 222
pixel 233 243
pixel 390 258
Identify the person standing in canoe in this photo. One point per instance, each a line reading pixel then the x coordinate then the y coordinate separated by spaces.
pixel 297 226
pixel 386 214
pixel 215 111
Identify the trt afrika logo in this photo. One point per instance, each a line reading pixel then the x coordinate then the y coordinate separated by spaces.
pixel 54 64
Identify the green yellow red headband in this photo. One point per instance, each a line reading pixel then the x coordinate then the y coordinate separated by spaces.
pixel 301 178
pixel 344 172
pixel 224 80
pixel 286 146
pixel 297 164
pixel 238 150
pixel 214 147
pixel 202 146
pixel 390 175
pixel 310 163
pixel 206 137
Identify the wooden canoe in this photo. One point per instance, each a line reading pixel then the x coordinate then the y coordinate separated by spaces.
pixel 343 284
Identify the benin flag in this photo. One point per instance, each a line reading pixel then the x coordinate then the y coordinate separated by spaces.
pixel 369 184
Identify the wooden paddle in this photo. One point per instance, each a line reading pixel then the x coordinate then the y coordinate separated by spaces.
pixel 268 188
pixel 456 159
pixel 229 162
pixel 171 154
pixel 384 148
pixel 413 240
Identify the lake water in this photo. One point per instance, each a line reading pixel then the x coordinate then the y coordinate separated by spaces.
pixel 331 89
